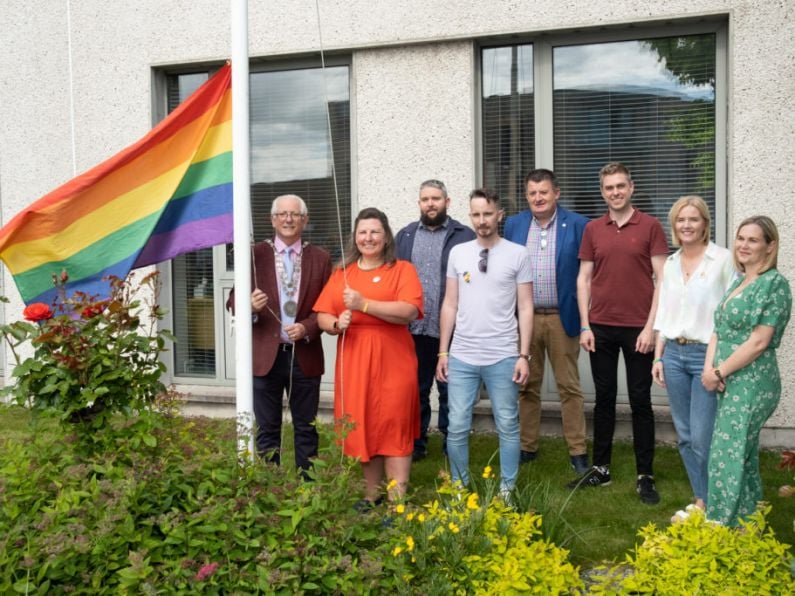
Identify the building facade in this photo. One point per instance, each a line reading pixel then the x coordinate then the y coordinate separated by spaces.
pixel 696 97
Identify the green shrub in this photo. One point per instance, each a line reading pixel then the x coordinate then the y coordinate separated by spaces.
pixel 697 556
pixel 463 543
pixel 93 359
pixel 184 516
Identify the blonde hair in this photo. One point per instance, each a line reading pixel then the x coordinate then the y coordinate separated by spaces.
pixel 689 201
pixel 770 232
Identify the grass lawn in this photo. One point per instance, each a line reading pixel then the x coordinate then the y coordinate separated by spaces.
pixel 597 524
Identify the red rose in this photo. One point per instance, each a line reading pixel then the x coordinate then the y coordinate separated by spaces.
pixel 37 311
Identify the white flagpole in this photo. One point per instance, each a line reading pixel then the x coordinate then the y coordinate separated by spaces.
pixel 241 179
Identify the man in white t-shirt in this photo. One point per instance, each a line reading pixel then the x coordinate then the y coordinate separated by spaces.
pixel 489 281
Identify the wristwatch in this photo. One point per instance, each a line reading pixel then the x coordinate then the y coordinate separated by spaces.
pixel 527 357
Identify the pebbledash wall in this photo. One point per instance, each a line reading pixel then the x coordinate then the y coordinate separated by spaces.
pixel 415 104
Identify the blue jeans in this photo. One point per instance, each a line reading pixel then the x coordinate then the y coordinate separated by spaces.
pixel 463 388
pixel 692 409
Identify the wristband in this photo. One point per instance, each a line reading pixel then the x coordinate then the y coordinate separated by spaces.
pixel 364 309
pixel 719 375
pixel 583 329
pixel 335 326
pixel 440 354
pixel 527 357
pixel 656 360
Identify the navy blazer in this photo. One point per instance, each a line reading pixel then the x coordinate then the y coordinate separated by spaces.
pixel 456 234
pixel 569 229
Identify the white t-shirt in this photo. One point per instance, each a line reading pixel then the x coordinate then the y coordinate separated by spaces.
pixel 486 329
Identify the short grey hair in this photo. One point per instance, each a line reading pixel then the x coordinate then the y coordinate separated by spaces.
pixel 433 183
pixel 274 210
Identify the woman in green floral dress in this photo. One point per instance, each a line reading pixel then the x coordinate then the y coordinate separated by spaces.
pixel 741 365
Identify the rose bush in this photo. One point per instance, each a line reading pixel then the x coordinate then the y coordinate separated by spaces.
pixel 92 358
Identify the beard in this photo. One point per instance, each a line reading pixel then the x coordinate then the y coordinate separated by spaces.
pixel 437 220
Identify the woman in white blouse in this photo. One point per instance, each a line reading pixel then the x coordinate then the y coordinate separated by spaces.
pixel 694 280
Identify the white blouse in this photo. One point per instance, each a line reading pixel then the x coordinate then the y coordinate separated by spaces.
pixel 686 307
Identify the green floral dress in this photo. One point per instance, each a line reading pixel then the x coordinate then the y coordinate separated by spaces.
pixel 752 394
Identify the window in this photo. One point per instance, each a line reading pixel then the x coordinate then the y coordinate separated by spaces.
pixel 290 154
pixel 649 103
pixel 508 121
pixel 573 103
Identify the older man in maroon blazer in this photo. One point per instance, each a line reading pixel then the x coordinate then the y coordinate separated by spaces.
pixel 287 277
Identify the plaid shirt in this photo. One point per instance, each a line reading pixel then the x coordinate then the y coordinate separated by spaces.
pixel 541 246
pixel 426 256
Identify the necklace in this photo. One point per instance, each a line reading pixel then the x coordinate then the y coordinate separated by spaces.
pixel 289 285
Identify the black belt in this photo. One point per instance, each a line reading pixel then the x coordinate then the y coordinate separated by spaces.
pixel 283 347
pixel 547 311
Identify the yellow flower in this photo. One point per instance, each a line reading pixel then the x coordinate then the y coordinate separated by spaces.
pixel 410 516
pixel 421 517
pixel 409 543
pixel 400 509
pixel 487 472
pixel 453 528
pixel 472 501
pixel 392 484
pixel 397 551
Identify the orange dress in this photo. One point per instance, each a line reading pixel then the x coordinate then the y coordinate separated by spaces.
pixel 375 383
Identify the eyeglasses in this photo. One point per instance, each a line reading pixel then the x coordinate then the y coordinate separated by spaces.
pixel 544 238
pixel 484 260
pixel 287 215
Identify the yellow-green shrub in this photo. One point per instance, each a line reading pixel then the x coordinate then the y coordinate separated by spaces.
pixel 697 556
pixel 460 543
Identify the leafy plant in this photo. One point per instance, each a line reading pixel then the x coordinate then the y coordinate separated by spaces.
pixel 697 556
pixel 463 542
pixel 186 516
pixel 91 358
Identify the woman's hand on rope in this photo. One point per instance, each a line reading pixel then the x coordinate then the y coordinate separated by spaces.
pixel 353 300
pixel 344 320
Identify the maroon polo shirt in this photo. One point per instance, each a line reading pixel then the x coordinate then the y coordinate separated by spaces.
pixel 622 285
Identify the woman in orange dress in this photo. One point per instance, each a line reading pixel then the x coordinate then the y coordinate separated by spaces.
pixel 372 298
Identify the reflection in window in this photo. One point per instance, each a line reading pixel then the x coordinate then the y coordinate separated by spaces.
pixel 649 104
pixel 291 151
pixel 508 125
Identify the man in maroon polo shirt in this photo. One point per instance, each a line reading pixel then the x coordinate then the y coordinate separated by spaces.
pixel 621 255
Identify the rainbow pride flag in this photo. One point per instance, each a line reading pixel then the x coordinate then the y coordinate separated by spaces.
pixel 168 194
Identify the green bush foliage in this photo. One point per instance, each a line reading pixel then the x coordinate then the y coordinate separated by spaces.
pixel 93 359
pixel 182 515
pixel 697 556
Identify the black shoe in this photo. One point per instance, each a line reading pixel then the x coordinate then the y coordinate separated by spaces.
pixel 647 491
pixel 580 463
pixel 527 456
pixel 592 477
pixel 366 505
pixel 420 453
